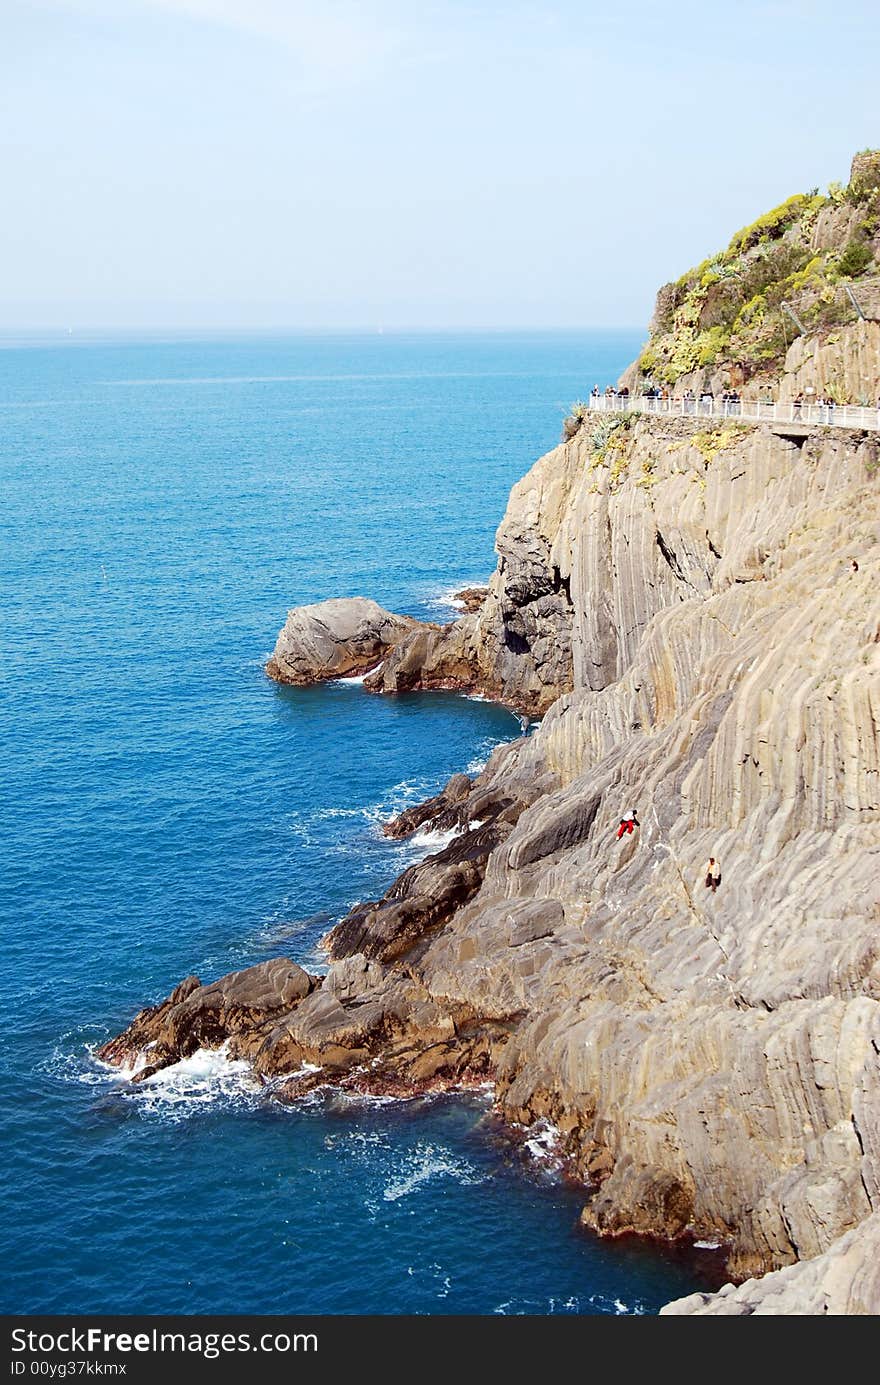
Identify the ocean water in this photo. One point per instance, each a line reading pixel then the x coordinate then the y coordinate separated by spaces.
pixel 166 809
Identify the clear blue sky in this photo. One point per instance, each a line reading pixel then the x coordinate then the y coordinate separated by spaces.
pixel 338 163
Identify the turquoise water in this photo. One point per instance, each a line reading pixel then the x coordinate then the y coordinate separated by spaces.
pixel 167 809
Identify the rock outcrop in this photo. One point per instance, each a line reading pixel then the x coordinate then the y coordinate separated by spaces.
pixel 513 644
pixel 516 647
pixel 808 269
pixel 843 1280
pixel 345 636
pixel 694 607
pixel 243 1004
pixel 470 599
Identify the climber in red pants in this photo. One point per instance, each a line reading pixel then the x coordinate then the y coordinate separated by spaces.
pixel 628 823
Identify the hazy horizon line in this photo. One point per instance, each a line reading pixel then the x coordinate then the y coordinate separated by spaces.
pixel 357 329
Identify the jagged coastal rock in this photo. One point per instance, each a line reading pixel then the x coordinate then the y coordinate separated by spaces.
pixel 196 1016
pixel 694 605
pixel 471 598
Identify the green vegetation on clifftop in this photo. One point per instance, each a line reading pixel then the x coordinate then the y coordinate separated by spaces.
pixel 784 273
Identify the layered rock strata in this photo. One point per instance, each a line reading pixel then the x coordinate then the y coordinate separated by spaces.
pixel 694 607
pixel 709 1059
pixel 843 1280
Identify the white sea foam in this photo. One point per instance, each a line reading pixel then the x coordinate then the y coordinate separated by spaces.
pixel 543 1141
pixel 424 1164
pixel 359 677
pixel 449 597
pixel 707 1245
pixel 431 840
pixel 572 1304
pixel 484 754
pixel 274 1084
pixel 208 1077
pixel 73 1060
pixel 526 1306
pixel 448 600
pixel 477 764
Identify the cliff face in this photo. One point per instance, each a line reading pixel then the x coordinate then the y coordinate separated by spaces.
pixel 696 607
pixel 709 1059
pixel 711 1056
pixel 517 645
pixel 514 644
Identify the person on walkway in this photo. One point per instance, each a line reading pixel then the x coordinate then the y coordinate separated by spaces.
pixel 713 874
pixel 798 405
pixel 594 392
pixel 628 823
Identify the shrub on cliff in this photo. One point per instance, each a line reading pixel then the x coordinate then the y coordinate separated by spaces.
pixel 740 307
pixel 574 419
pixel 855 258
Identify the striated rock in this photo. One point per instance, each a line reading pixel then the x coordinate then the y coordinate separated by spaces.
pixel 517 646
pixel 332 639
pixel 428 894
pixel 425 896
pixel 678 598
pixel 845 1279
pixel 710 1060
pixel 845 363
pixel 446 811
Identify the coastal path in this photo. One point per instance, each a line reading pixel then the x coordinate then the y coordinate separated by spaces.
pixel 758 411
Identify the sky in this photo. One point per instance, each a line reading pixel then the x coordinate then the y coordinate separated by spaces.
pixel 345 164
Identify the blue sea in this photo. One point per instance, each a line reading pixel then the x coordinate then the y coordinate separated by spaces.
pixel 167 810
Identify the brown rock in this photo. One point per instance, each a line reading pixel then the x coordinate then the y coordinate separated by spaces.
pixel 196 1016
pixel 472 598
pixel 334 639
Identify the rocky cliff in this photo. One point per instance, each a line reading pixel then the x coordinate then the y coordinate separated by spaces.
pixel 697 610
pixel 513 643
pixel 807 271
